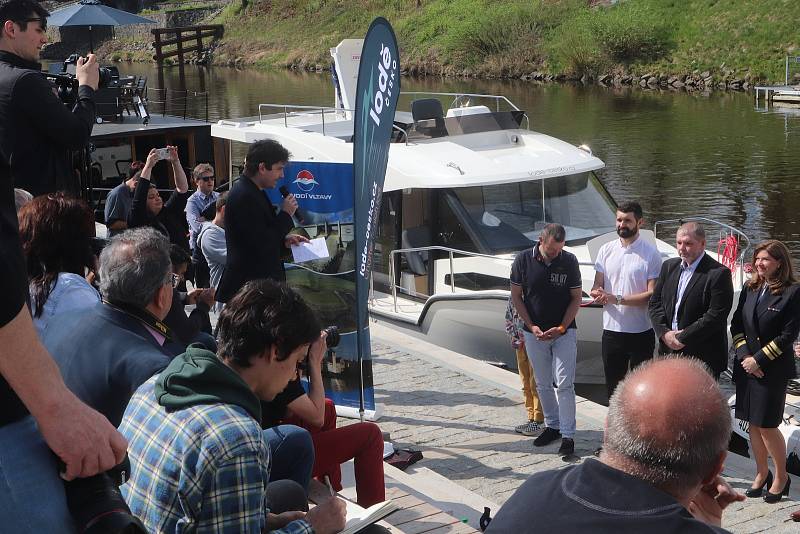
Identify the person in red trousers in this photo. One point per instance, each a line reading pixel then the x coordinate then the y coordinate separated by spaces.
pixel 362 442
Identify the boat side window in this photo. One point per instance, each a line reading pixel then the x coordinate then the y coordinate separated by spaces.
pixel 451 232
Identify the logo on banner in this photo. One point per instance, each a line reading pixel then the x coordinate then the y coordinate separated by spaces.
pixel 305 181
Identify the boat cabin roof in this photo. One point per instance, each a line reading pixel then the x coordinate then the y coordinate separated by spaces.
pixel 132 125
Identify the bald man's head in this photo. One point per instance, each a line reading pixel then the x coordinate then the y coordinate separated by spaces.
pixel 668 424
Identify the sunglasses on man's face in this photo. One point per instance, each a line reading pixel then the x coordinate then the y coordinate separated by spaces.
pixel 42 22
pixel 206 178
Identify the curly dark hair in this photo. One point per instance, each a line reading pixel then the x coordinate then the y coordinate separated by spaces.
pixel 264 313
pixel 56 232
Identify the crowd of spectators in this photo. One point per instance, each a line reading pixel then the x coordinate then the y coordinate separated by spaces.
pixel 220 433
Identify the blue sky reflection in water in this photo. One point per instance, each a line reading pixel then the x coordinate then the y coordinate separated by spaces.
pixel 677 153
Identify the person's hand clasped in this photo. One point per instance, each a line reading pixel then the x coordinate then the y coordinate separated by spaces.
pixel 750 365
pixel 671 340
pixel 329 517
pixel 552 333
pixel 599 295
pixel 711 501
pixel 87 70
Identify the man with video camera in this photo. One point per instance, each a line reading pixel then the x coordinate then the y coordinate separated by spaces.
pixel 39 414
pixel 37 131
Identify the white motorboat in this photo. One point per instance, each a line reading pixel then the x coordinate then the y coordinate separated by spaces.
pixel 468 185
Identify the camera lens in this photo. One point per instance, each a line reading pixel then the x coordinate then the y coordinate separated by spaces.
pixel 332 336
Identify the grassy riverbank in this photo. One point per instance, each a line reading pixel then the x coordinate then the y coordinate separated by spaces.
pixel 740 39
pixel 516 37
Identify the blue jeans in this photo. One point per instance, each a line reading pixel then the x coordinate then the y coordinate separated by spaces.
pixel 292 454
pixel 553 362
pixel 31 493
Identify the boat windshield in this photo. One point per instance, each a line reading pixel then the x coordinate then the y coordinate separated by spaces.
pixel 508 217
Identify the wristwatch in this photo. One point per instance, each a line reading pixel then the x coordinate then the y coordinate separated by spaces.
pixel 619 299
pixel 561 329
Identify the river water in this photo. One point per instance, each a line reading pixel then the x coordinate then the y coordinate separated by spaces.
pixel 677 153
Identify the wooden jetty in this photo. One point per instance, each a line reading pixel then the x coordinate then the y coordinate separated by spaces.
pixel 181 36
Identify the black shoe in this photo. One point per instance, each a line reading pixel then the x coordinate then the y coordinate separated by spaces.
pixel 597 452
pixel 758 492
pixel 547 437
pixel 775 497
pixel 567 447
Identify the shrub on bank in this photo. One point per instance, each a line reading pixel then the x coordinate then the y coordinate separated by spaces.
pixel 628 33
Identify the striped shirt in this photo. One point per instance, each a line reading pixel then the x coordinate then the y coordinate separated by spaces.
pixel 201 469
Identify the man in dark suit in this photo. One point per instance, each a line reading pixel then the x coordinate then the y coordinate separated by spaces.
pixel 691 301
pixel 254 233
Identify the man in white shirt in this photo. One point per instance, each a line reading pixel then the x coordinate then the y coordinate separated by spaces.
pixel 626 272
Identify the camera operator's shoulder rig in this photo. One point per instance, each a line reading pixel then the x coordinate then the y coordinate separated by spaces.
pixel 66 83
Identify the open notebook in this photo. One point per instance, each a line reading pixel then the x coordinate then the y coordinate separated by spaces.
pixel 358 518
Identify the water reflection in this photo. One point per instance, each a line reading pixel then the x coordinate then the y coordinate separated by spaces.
pixel 677 153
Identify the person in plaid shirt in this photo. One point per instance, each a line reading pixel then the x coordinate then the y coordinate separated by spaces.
pixel 199 462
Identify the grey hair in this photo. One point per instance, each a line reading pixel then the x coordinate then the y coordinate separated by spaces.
pixel 21 197
pixel 554 230
pixel 678 464
pixel 134 265
pixel 694 229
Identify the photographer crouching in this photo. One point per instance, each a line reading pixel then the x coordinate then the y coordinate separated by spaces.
pixel 37 131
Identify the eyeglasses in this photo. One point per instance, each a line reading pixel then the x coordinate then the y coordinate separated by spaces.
pixel 206 178
pixel 175 279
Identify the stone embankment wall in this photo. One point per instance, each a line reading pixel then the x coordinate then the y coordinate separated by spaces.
pixel 696 81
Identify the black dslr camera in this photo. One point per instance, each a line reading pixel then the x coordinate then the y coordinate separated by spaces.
pixel 97 506
pixel 332 339
pixel 67 83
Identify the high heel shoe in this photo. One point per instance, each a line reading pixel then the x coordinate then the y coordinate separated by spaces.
pixel 758 492
pixel 775 497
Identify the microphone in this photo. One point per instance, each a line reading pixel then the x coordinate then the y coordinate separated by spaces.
pixel 298 213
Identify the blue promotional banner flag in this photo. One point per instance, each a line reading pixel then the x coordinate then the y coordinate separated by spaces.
pixel 377 91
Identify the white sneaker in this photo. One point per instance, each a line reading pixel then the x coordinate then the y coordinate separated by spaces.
pixel 531 428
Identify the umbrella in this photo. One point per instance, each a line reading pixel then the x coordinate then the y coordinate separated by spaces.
pixel 93 13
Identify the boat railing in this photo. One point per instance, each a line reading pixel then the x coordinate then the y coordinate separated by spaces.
pixel 178 102
pixel 313 110
pixel 743 242
pixel 451 252
pixel 457 97
pixel 309 110
pixel 498 99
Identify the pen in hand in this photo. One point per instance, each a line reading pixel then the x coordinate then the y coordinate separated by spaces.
pixel 330 488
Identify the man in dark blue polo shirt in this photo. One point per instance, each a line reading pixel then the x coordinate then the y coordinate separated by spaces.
pixel 546 290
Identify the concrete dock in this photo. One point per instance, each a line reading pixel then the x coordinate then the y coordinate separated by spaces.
pixel 461 413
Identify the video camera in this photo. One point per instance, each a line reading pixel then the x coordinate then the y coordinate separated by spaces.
pixel 97 506
pixel 67 83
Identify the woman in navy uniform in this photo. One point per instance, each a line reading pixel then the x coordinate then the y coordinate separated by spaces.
pixel 764 326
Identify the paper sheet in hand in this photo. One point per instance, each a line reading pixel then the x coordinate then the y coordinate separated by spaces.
pixel 316 249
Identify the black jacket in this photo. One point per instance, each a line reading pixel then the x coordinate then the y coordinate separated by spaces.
pixel 703 312
pixel 254 235
pixel 766 330
pixel 37 131
pixel 171 220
